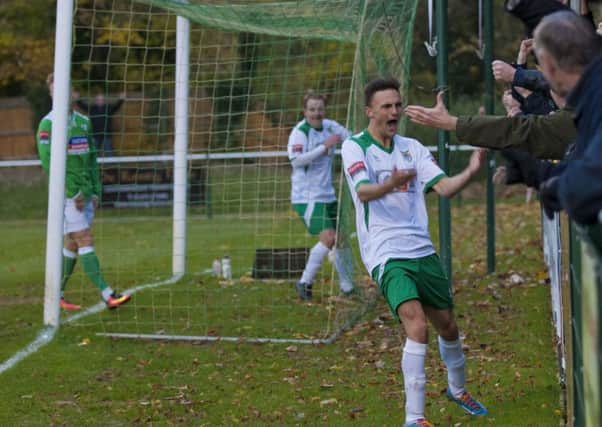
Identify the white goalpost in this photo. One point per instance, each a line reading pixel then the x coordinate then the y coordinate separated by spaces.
pixel 56 193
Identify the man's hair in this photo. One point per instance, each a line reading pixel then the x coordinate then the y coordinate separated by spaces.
pixel 50 79
pixel 313 95
pixel 378 85
pixel 569 39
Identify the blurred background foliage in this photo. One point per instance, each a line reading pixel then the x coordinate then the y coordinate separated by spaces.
pixel 27 45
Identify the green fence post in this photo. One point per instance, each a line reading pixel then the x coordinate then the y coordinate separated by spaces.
pixel 443 140
pixel 577 329
pixel 489 109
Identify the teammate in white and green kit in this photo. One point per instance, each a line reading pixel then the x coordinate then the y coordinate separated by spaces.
pixel 388 176
pixel 311 147
pixel 82 192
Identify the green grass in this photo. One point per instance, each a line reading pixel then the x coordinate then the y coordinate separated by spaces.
pixel 83 379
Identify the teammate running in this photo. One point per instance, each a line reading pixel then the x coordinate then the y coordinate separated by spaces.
pixel 311 147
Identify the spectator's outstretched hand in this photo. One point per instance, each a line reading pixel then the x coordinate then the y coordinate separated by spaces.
pixel 437 117
pixel 599 30
pixel 502 71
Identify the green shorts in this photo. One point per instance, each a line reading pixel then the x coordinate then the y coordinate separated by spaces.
pixel 423 279
pixel 317 216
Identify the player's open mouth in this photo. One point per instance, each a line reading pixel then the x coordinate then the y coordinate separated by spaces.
pixel 392 123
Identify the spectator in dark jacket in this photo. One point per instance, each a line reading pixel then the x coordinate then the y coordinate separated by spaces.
pixel 569 53
pixel 101 114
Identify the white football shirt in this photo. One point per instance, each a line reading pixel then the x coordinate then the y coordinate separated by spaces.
pixel 312 169
pixel 395 225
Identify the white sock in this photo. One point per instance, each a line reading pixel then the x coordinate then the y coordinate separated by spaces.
pixel 453 357
pixel 344 265
pixel 85 250
pixel 414 379
pixel 314 262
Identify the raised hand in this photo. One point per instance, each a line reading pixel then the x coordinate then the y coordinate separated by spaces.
pixel 437 117
pixel 477 159
pixel 526 46
pixel 502 71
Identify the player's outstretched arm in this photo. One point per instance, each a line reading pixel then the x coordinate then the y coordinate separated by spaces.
pixel 449 186
pixel 437 117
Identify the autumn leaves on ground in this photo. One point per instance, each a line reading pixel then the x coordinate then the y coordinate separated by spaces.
pixel 83 379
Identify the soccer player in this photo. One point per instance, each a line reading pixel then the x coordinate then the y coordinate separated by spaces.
pixel 311 146
pixel 82 191
pixel 388 176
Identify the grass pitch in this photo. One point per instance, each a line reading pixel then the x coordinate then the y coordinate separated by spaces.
pixel 83 379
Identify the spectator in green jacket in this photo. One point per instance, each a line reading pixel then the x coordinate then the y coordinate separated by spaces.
pixel 546 137
pixel 82 193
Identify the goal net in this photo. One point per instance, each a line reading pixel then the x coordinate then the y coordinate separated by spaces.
pixel 249 65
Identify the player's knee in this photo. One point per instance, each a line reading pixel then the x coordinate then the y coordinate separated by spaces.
pixel 414 322
pixel 70 244
pixel 449 331
pixel 83 238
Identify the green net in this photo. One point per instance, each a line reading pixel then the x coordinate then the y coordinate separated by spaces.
pixel 251 63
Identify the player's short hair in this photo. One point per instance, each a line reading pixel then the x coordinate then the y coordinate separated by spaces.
pixel 378 85
pixel 313 95
pixel 569 39
pixel 49 79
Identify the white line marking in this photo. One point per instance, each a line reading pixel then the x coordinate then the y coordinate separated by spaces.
pixel 47 333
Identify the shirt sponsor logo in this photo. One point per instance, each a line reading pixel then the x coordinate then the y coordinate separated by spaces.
pixel 298 148
pixel 78 145
pixel 356 168
pixel 407 156
pixel 44 137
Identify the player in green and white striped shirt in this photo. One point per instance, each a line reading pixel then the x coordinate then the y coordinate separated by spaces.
pixel 82 193
pixel 388 176
pixel 311 148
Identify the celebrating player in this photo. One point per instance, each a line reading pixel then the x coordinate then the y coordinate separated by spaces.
pixel 311 148
pixel 388 176
pixel 82 190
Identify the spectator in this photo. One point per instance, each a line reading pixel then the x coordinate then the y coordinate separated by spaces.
pixel 101 113
pixel 570 54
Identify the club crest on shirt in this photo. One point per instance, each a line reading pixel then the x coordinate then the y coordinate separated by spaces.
pixel 407 156
pixel 356 168
pixel 78 145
